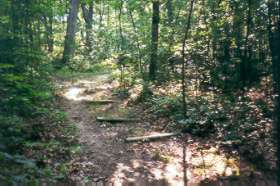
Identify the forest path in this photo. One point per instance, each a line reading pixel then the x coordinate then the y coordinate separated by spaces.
pixel 107 157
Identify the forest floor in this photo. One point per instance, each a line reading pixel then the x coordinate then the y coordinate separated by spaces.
pixel 105 156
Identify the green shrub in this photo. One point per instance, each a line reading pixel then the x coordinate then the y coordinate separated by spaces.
pixel 166 106
pixel 25 92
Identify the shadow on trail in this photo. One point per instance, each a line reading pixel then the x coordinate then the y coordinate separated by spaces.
pixel 107 160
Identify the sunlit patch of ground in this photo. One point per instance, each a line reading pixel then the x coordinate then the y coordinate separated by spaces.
pixel 90 89
pixel 106 155
pixel 74 93
pixel 211 163
pixel 164 161
pixel 81 94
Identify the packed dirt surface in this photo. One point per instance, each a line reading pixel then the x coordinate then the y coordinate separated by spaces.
pixel 105 156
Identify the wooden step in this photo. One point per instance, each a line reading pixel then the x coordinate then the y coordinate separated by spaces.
pixel 115 119
pixel 151 137
pixel 103 101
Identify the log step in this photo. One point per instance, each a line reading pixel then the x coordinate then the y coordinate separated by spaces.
pixel 150 137
pixel 231 143
pixel 103 101
pixel 112 119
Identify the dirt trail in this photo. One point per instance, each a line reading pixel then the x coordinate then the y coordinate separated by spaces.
pixel 105 156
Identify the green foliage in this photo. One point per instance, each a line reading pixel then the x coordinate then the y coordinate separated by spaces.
pixel 88 70
pixel 26 94
pixel 21 89
pixel 200 118
pixel 16 168
pixel 228 75
pixel 146 92
pixel 228 50
pixel 122 92
pixel 166 106
pixel 11 133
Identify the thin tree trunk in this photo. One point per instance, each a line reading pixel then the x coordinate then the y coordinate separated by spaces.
pixel 137 41
pixel 88 17
pixel 48 23
pixel 204 18
pixel 245 63
pixel 69 43
pixel 117 46
pixel 170 14
pixel 171 36
pixel 120 26
pixel 274 44
pixel 170 18
pixel 248 47
pixel 188 23
pixel 154 43
pixel 108 15
pixel 101 13
pixel 15 18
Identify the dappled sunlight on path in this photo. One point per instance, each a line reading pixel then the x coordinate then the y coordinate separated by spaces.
pixel 107 157
pixel 73 93
pixel 164 161
pixel 88 89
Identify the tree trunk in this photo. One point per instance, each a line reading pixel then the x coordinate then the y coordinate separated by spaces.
pixel 48 23
pixel 88 17
pixel 274 44
pixel 69 43
pixel 170 19
pixel 137 41
pixel 246 59
pixel 172 33
pixel 187 28
pixel 154 41
pixel 170 14
pixel 120 27
pixel 101 13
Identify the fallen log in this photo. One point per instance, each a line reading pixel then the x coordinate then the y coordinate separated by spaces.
pixel 150 137
pixel 103 101
pixel 231 143
pixel 111 119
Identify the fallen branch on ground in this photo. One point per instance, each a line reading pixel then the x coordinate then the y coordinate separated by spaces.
pixel 150 137
pixel 102 101
pixel 111 119
pixel 231 142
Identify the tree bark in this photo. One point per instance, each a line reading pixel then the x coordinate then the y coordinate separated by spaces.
pixel 154 41
pixel 183 52
pixel 170 14
pixel 137 41
pixel 101 13
pixel 120 26
pixel 69 43
pixel 170 20
pixel 88 17
pixel 246 59
pixel 172 33
pixel 48 23
pixel 274 44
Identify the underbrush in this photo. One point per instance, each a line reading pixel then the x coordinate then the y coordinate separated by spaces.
pixel 36 148
pixel 198 120
pixel 29 120
pixel 242 119
pixel 73 71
